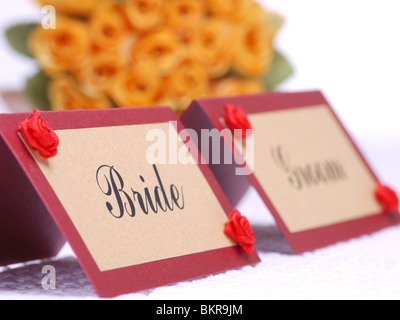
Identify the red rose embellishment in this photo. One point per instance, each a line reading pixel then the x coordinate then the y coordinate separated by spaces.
pixel 236 119
pixel 387 198
pixel 39 135
pixel 239 229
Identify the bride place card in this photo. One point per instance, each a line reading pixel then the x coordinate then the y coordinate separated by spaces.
pixel 107 182
pixel 299 158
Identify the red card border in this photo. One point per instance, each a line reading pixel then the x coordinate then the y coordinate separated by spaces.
pixel 138 277
pixel 310 240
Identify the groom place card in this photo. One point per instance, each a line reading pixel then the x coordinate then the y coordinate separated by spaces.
pixel 301 161
pixel 135 218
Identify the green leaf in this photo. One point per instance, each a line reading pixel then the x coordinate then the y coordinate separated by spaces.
pixel 36 91
pixel 280 71
pixel 18 36
pixel 275 21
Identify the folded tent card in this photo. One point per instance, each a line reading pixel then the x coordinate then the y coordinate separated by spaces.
pixel 145 199
pixel 301 161
pixel 93 179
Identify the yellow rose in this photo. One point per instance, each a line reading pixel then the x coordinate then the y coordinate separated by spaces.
pixel 161 49
pixel 145 14
pixel 253 12
pixel 73 7
pixel 98 73
pixel 64 94
pixel 230 9
pixel 184 16
pixel 188 81
pixel 211 46
pixel 254 52
pixel 233 86
pixel 108 27
pixel 138 86
pixel 58 50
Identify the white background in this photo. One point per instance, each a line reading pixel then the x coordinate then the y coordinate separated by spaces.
pixel 348 49
pixel 351 51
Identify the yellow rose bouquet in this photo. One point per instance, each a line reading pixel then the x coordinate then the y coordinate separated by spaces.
pixel 134 53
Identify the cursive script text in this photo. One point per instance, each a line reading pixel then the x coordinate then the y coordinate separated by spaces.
pixel 312 174
pixel 124 200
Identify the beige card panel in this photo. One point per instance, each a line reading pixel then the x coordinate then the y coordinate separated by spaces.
pixel 245 147
pixel 117 243
pixel 310 170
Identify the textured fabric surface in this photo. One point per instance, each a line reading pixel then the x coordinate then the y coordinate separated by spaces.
pixel 365 268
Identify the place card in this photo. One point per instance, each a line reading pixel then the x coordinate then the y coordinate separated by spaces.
pixel 300 159
pixel 135 216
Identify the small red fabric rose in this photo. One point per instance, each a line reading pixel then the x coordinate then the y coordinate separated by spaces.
pixel 236 119
pixel 39 135
pixel 387 198
pixel 239 229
